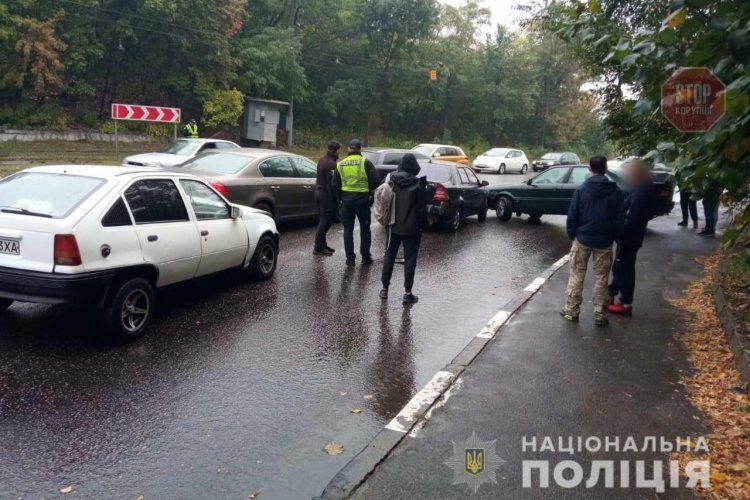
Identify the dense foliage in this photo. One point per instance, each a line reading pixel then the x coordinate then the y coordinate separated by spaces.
pixel 349 66
pixel 637 44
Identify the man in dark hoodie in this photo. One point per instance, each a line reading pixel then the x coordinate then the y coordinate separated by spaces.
pixel 410 194
pixel 595 220
pixel 637 215
pixel 325 198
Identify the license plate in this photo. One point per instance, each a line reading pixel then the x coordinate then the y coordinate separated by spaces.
pixel 10 247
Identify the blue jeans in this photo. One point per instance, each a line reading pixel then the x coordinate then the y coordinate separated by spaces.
pixel 711 209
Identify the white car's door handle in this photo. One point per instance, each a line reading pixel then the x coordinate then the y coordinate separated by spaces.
pixel 274 187
pixel 204 233
pixel 153 237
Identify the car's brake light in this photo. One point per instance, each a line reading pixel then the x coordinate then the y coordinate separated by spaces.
pixel 441 194
pixel 66 250
pixel 221 188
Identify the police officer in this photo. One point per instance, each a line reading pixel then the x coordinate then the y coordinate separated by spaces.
pixel 191 129
pixel 354 180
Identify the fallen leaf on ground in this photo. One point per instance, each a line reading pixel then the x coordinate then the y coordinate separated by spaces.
pixel 139 497
pixel 66 490
pixel 355 410
pixel 333 448
pixel 252 495
pixel 343 393
pixel 259 462
pixel 368 397
pixel 739 467
pixel 718 477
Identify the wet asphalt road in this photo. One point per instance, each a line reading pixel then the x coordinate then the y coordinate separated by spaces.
pixel 237 387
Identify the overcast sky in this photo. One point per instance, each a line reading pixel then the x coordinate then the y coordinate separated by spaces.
pixel 502 10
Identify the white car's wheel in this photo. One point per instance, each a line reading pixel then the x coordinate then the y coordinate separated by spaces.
pixel 263 263
pixel 501 168
pixel 130 311
pixel 524 169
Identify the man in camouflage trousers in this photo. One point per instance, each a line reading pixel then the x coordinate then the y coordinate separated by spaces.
pixel 595 219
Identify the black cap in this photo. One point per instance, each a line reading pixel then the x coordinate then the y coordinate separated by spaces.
pixel 355 144
pixel 334 146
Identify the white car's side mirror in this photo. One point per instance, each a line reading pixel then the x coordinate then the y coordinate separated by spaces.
pixel 236 212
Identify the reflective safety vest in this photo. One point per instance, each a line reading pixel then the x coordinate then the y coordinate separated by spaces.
pixel 192 130
pixel 353 174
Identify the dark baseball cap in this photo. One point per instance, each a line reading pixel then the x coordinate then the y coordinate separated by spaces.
pixel 355 144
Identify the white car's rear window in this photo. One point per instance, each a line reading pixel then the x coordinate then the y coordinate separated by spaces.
pixel 45 194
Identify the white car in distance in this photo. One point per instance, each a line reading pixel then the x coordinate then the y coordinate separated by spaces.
pixel 107 237
pixel 502 160
pixel 178 152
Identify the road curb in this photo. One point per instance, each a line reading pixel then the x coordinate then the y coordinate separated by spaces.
pixel 734 330
pixel 359 468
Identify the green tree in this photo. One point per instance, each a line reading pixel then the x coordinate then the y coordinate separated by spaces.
pixel 223 108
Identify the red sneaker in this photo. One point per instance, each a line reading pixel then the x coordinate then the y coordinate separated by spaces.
pixel 621 308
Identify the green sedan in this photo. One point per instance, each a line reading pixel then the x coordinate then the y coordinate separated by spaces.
pixel 551 191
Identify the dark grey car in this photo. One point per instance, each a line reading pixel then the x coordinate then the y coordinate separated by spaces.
pixel 386 160
pixel 282 184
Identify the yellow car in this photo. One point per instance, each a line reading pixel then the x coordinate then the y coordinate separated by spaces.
pixel 443 152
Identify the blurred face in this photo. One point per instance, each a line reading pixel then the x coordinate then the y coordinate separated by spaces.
pixel 637 173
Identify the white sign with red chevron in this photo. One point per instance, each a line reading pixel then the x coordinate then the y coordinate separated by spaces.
pixel 142 113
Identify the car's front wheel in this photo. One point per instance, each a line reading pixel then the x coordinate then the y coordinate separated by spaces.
pixel 504 209
pixel 524 169
pixel 131 309
pixel 501 169
pixel 482 214
pixel 5 304
pixel 265 258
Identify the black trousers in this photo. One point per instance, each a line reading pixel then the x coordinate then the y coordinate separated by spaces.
pixel 623 273
pixel 688 205
pixel 711 209
pixel 326 215
pixel 411 250
pixel 351 209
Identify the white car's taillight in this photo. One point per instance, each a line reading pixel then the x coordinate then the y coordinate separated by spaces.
pixel 66 250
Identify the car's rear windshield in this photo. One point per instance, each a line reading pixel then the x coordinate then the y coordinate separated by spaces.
pixel 45 194
pixel 435 172
pixel 496 152
pixel 182 147
pixel 219 163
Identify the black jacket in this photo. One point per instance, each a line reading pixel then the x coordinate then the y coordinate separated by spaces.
pixel 372 181
pixel 637 214
pixel 597 213
pixel 326 166
pixel 411 197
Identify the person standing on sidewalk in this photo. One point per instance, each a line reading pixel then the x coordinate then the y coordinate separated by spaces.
pixel 595 219
pixel 353 180
pixel 711 199
pixel 325 198
pixel 637 214
pixel 410 195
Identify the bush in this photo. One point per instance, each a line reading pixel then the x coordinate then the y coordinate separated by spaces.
pixel 223 109
pixel 27 115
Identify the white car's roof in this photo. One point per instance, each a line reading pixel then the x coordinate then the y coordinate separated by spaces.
pixel 102 171
pixel 202 139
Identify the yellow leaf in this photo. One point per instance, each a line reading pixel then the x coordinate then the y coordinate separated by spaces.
pixel 355 410
pixel 139 497
pixel 718 477
pixel 66 490
pixel 253 495
pixel 739 467
pixel 675 19
pixel 333 448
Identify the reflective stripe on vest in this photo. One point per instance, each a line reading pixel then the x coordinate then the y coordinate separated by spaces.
pixel 353 174
pixel 192 130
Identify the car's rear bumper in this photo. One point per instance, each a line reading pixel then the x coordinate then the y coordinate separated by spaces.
pixel 86 288
pixel 537 168
pixel 438 212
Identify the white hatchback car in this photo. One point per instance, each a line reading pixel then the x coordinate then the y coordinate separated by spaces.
pixel 502 160
pixel 108 236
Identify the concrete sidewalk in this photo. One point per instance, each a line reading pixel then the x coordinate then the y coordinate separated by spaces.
pixel 542 376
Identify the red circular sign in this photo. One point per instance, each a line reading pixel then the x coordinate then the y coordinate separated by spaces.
pixel 693 99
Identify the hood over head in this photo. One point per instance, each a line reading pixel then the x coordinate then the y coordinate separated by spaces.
pixel 407 171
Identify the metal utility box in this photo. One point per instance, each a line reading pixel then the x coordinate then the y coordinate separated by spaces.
pixel 262 119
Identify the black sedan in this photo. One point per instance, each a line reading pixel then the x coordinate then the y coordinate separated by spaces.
pixel 551 191
pixel 554 160
pixel 455 193
pixel 386 160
